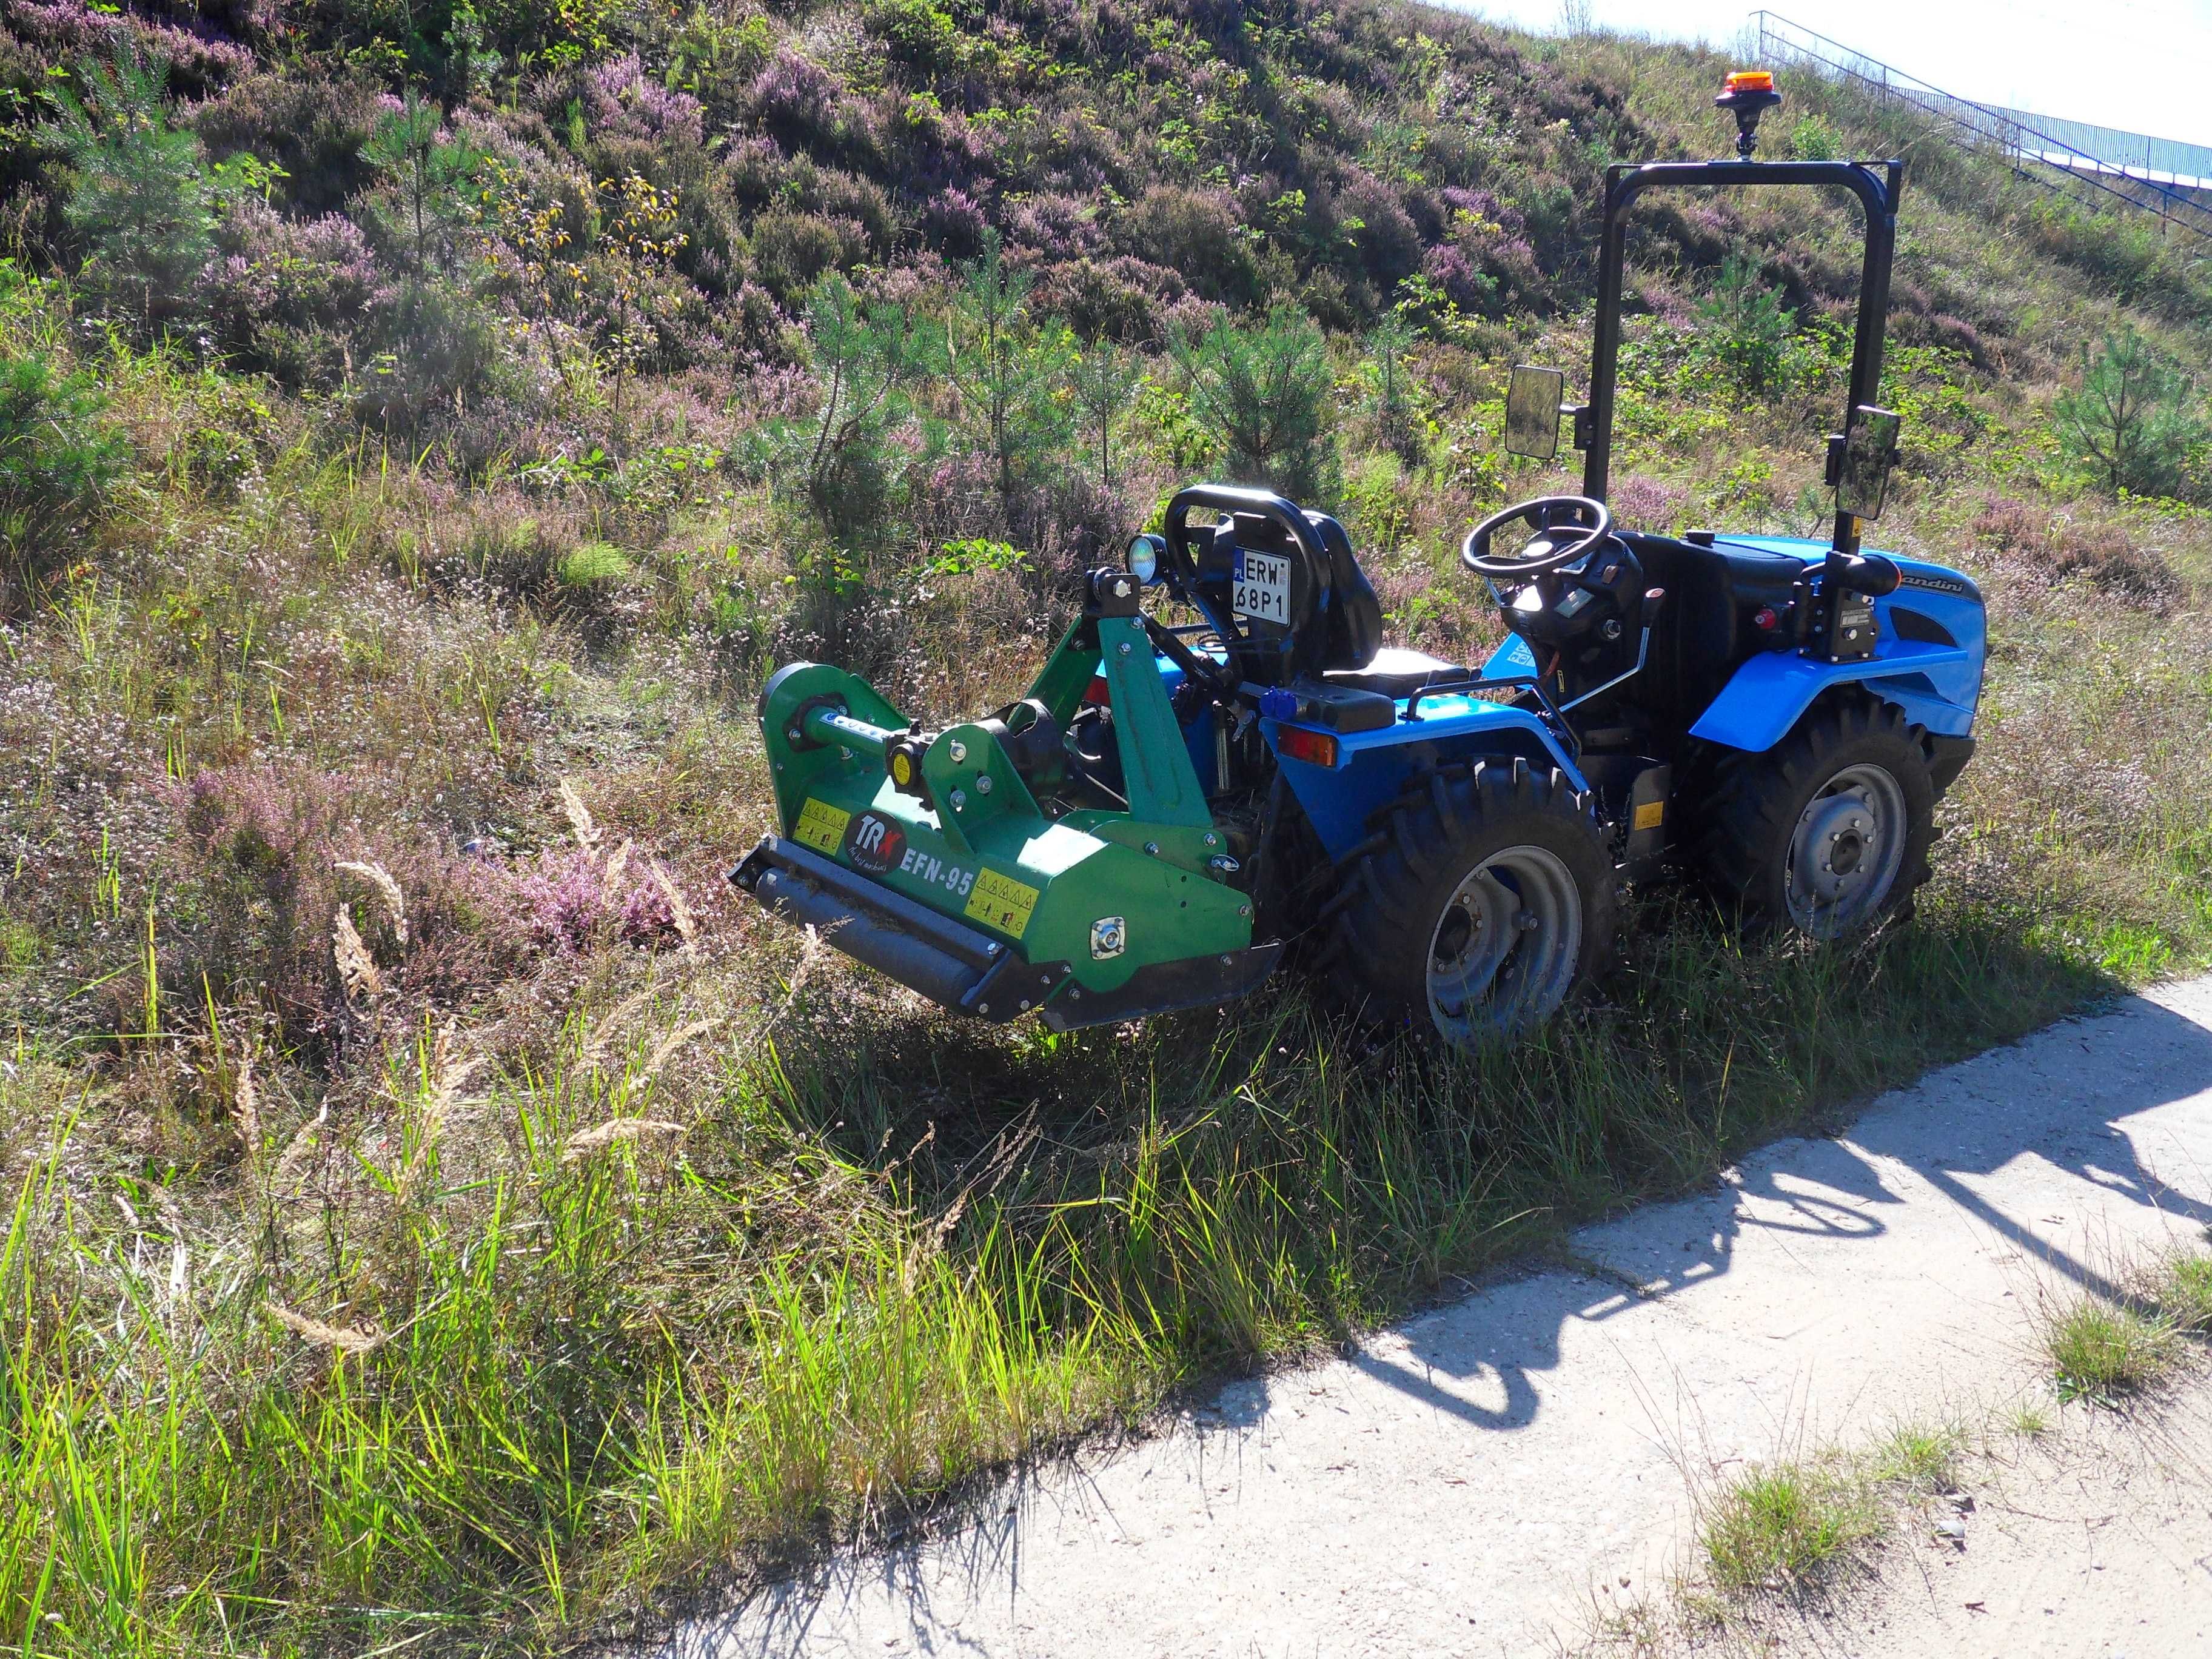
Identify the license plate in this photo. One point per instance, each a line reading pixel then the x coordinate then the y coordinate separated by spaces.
pixel 1263 587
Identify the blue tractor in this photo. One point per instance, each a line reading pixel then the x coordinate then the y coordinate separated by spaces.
pixel 1242 770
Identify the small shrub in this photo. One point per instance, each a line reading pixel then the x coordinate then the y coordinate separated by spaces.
pixel 59 455
pixel 791 250
pixel 572 901
pixel 1265 393
pixel 1198 236
pixel 595 563
pixel 440 347
pixel 2130 419
pixel 2099 1352
pixel 2107 556
pixel 1814 140
pixel 917 33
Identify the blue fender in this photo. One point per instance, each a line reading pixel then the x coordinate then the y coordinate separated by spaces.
pixel 1936 679
pixel 1373 769
pixel 1769 694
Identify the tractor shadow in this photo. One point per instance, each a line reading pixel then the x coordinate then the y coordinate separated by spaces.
pixel 2059 1097
pixel 2071 1098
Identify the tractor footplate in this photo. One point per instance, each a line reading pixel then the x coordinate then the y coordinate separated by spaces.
pixel 954 965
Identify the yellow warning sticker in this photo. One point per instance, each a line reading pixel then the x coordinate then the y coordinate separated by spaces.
pixel 821 826
pixel 1650 814
pixel 999 902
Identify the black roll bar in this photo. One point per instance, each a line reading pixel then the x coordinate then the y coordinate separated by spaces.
pixel 1878 185
pixel 1233 498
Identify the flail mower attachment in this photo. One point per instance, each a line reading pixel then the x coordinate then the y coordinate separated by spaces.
pixel 927 856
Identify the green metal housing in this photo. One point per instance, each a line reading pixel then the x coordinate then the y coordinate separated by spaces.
pixel 1108 895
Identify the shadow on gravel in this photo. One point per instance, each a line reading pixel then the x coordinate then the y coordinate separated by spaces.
pixel 2062 1096
pixel 2059 1096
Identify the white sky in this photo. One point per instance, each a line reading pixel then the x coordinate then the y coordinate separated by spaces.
pixel 2139 65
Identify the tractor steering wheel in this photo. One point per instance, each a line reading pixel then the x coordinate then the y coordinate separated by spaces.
pixel 1583 514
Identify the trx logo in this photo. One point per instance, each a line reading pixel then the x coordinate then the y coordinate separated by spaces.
pixel 874 844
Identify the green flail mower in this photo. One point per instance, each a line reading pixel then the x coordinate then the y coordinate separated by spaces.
pixel 1222 759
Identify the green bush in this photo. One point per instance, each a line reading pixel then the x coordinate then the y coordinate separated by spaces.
pixel 1814 140
pixel 1265 392
pixel 143 204
pixel 59 455
pixel 595 563
pixel 2130 419
pixel 1747 328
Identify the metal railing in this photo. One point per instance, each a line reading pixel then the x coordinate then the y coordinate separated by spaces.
pixel 2061 155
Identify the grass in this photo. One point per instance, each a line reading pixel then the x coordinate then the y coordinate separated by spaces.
pixel 2099 1351
pixel 1786 1526
pixel 1793 1524
pixel 1920 1458
pixel 2183 1293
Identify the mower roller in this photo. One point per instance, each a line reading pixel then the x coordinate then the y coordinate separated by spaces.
pixel 1196 785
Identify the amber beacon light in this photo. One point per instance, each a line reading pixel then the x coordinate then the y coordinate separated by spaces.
pixel 1749 93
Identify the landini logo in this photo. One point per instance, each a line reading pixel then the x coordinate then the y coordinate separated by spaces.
pixel 874 844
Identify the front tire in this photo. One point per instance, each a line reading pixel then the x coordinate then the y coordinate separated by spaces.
pixel 1483 897
pixel 1828 831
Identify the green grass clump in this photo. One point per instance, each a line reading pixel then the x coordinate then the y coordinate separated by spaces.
pixel 1786 1525
pixel 1920 1457
pixel 2099 1351
pixel 594 562
pixel 2183 1291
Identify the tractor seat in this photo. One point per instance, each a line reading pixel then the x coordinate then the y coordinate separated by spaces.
pixel 1398 671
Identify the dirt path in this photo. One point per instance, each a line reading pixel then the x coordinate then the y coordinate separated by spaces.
pixel 1478 1480
pixel 2091 1542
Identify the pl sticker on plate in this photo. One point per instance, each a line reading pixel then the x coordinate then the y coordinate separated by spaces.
pixel 821 826
pixel 1263 587
pixel 1000 903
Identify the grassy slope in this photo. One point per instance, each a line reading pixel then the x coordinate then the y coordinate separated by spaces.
pixel 333 1319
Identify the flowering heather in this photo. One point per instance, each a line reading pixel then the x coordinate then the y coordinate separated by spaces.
pixel 956 222
pixel 796 98
pixel 620 100
pixel 1464 283
pixel 200 57
pixel 1059 227
pixel 293 272
pixel 575 900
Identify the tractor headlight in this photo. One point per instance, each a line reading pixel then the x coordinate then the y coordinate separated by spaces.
pixel 1142 560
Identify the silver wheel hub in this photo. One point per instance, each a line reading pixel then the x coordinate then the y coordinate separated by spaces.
pixel 1846 851
pixel 1504 949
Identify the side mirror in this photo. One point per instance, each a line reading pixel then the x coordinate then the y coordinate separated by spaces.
pixel 1869 453
pixel 1532 412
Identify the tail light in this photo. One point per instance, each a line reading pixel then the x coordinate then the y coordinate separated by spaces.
pixel 1314 748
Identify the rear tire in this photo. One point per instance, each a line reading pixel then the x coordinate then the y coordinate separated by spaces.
pixel 1828 831
pixel 1483 897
